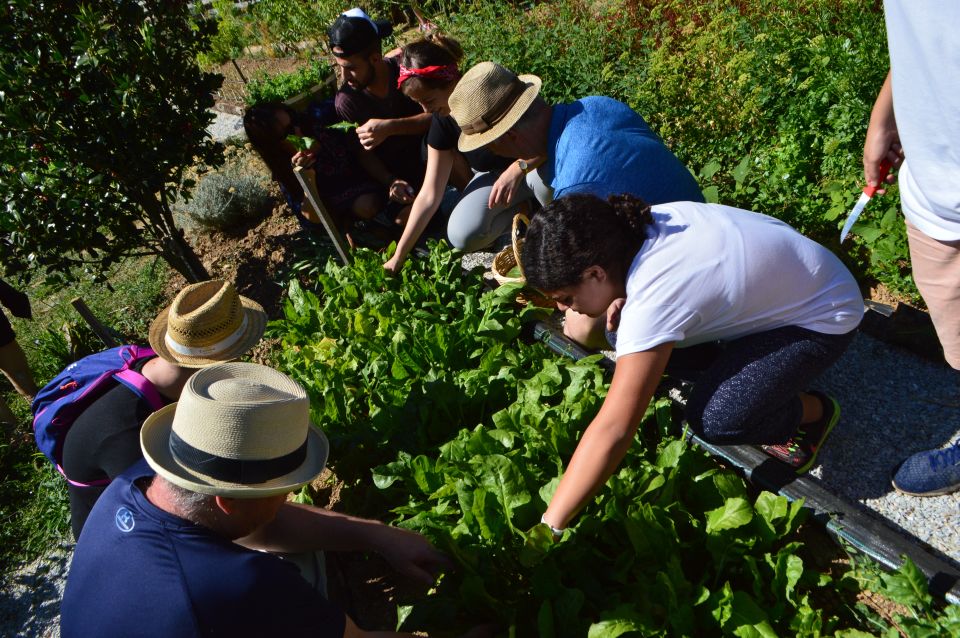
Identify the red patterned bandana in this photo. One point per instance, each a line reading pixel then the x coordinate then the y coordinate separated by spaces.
pixel 444 72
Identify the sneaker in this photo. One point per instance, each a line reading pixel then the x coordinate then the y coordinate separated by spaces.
pixel 800 451
pixel 929 473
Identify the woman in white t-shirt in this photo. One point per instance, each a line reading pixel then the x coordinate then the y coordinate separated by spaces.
pixel 763 309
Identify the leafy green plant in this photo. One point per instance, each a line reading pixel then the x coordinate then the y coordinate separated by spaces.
pixel 104 109
pixel 225 198
pixel 232 33
pixel 913 612
pixel 480 426
pixel 282 86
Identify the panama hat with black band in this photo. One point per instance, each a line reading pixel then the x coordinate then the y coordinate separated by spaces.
pixel 488 100
pixel 354 32
pixel 207 323
pixel 240 430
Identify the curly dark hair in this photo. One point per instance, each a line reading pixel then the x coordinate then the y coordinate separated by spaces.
pixel 578 231
pixel 263 131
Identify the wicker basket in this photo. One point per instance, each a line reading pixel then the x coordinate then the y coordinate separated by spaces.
pixel 509 258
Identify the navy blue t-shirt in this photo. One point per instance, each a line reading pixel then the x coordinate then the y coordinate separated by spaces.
pixel 140 571
pixel 600 146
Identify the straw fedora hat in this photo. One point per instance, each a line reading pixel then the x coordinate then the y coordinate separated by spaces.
pixel 207 323
pixel 488 101
pixel 241 430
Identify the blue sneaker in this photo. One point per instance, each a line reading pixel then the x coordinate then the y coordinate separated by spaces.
pixel 929 473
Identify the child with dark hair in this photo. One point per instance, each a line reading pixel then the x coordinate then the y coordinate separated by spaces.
pixel 429 72
pixel 351 183
pixel 756 310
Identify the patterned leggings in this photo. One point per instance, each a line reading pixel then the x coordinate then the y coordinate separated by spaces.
pixel 745 390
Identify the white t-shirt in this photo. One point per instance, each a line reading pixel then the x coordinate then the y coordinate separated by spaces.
pixel 708 272
pixel 925 66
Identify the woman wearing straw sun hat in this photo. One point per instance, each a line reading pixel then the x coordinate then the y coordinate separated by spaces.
pixel 207 323
pixel 178 546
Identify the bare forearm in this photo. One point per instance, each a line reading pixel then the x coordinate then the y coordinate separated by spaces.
pixel 882 114
pixel 424 207
pixel 413 125
pixel 301 528
pixel 609 436
pixel 597 456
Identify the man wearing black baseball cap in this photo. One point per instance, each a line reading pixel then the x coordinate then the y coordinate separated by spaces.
pixel 391 125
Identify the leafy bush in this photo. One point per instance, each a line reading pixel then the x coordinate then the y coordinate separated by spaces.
pixel 231 36
pixel 223 199
pixel 282 86
pixel 768 101
pixel 104 109
pixel 283 25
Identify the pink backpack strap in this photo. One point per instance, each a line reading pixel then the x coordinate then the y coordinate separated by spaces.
pixel 141 384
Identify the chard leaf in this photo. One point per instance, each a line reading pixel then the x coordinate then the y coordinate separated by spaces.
pixel 735 512
pixel 538 541
pixel 771 507
pixel 787 573
pixel 670 455
pixel 907 586
pixel 503 478
pixel 547 491
pixel 545 627
pixel 613 628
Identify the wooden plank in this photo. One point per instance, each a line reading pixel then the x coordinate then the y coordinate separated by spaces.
pixel 308 182
pixel 106 335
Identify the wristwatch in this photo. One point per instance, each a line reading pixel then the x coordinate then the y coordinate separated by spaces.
pixel 524 167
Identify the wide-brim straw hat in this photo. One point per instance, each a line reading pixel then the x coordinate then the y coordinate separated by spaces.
pixel 207 323
pixel 240 430
pixel 488 100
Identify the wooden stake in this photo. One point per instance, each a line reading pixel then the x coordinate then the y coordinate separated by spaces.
pixel 308 181
pixel 106 335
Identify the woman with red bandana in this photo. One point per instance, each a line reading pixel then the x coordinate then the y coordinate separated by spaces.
pixel 493 188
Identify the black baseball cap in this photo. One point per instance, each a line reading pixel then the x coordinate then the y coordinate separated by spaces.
pixel 354 31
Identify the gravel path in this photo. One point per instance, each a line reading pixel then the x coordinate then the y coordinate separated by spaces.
pixel 893 403
pixel 30 598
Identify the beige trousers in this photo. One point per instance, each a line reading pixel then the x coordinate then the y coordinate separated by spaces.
pixel 936 271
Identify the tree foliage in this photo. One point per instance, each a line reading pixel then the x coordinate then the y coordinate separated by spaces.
pixel 102 108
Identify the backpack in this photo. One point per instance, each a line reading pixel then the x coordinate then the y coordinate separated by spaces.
pixel 61 401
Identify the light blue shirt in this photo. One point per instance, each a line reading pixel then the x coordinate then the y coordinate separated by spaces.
pixel 601 146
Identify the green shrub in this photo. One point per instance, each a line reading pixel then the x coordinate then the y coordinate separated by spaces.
pixel 767 101
pixel 282 86
pixel 231 37
pixel 224 199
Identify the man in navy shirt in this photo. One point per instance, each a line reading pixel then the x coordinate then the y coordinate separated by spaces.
pixel 180 548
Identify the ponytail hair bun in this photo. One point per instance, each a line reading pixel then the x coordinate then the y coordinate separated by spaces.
pixel 578 231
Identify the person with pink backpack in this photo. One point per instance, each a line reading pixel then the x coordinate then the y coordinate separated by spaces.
pixel 87 420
